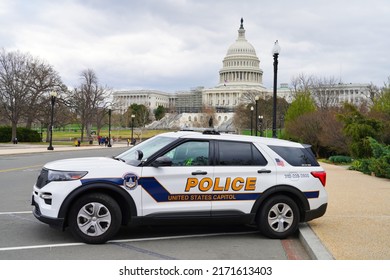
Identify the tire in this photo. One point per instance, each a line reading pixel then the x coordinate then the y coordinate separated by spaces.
pixel 279 217
pixel 95 218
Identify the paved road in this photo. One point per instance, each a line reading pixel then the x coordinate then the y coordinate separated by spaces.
pixel 357 222
pixel 24 237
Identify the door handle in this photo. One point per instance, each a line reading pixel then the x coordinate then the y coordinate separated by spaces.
pixel 199 172
pixel 263 171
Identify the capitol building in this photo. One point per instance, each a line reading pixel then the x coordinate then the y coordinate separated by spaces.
pixel 240 75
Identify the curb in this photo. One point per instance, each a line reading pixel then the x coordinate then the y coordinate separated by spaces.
pixel 312 244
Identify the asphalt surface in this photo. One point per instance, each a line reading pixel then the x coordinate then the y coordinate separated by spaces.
pixel 355 227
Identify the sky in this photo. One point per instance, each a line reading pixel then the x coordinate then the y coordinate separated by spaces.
pixel 175 45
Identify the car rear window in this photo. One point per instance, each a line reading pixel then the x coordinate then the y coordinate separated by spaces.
pixel 296 156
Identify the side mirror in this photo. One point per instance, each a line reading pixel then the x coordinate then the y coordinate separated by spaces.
pixel 139 155
pixel 162 161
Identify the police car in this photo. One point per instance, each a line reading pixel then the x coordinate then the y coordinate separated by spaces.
pixel 186 177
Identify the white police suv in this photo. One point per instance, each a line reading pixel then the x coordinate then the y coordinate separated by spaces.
pixel 184 177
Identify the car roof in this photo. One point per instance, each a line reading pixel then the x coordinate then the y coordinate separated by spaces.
pixel 232 137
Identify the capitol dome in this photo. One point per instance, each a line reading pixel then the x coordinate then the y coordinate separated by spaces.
pixel 241 64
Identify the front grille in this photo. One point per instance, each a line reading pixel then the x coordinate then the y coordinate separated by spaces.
pixel 42 179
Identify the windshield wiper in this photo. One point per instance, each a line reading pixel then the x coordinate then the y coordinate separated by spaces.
pixel 120 159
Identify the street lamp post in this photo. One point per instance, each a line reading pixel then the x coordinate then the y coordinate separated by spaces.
pixel 261 125
pixel 53 96
pixel 275 52
pixel 256 102
pixel 281 123
pixel 109 128
pixel 252 120
pixel 132 129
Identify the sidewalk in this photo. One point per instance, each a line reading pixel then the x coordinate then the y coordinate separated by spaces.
pixel 356 225
pixel 12 149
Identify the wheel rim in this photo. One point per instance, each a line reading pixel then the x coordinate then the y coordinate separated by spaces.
pixel 280 217
pixel 94 219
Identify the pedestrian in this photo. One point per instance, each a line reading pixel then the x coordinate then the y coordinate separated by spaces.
pixel 105 141
pixel 15 140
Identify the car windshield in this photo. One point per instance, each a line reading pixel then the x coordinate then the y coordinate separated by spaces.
pixel 148 148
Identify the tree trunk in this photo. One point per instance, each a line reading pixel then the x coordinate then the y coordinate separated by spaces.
pixel 14 130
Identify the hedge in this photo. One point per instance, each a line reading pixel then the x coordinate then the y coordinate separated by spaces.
pixel 378 164
pixel 340 159
pixel 23 134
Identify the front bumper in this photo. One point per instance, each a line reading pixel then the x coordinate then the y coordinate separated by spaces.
pixel 52 222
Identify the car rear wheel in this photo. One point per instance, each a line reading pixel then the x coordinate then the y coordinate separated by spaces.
pixel 278 217
pixel 95 218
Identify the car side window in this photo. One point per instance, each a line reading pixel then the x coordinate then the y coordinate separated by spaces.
pixel 239 154
pixel 191 153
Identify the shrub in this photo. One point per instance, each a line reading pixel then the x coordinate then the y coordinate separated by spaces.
pixel 379 163
pixel 340 159
pixel 5 134
pixel 361 165
pixel 23 134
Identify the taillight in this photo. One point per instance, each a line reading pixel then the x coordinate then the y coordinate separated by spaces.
pixel 321 175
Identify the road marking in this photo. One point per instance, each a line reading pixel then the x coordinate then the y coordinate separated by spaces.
pixel 19 168
pixel 144 251
pixel 13 213
pixel 124 240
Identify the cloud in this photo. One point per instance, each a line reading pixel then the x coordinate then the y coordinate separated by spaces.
pixel 178 44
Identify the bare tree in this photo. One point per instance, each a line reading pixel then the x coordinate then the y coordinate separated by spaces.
pixel 249 97
pixel 241 119
pixel 43 80
pixel 373 92
pixel 208 117
pixel 301 83
pixel 324 92
pixel 87 100
pixel 24 81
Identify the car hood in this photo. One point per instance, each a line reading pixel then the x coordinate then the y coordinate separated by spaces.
pixel 86 164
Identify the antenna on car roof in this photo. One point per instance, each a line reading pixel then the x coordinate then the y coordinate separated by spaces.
pixel 201 129
pixel 212 132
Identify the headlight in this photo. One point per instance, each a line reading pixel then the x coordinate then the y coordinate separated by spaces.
pixel 55 175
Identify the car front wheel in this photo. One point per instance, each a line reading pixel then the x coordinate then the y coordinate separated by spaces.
pixel 95 218
pixel 279 217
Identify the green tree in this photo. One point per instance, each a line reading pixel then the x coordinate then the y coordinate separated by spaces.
pixel 159 113
pixel 358 128
pixel 381 111
pixel 141 113
pixel 302 104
